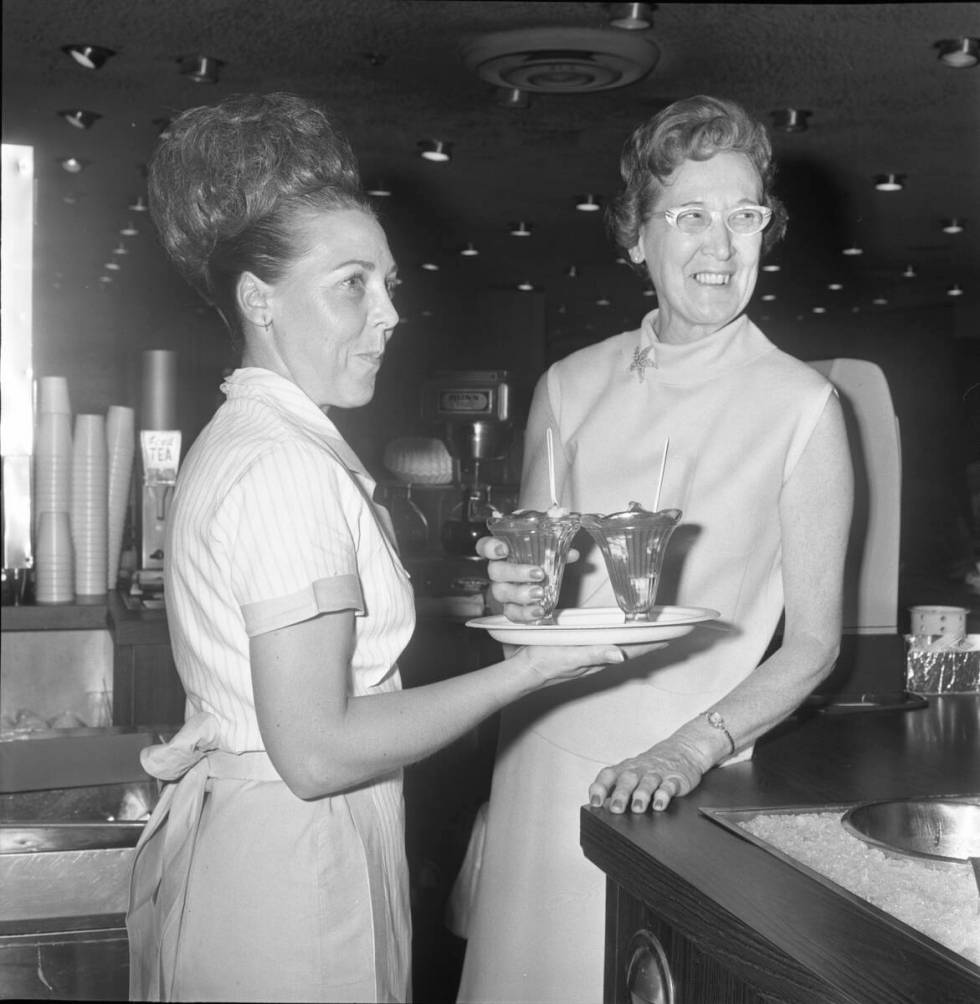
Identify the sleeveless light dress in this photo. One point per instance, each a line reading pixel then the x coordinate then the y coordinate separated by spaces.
pixel 739 413
pixel 241 890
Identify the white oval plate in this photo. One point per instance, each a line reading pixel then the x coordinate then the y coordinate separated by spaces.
pixel 596 626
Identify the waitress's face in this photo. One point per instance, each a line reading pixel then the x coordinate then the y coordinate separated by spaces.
pixel 332 313
pixel 704 280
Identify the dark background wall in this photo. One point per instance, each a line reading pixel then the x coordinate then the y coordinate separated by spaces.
pixel 96 339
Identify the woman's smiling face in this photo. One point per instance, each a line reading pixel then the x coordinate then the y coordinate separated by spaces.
pixel 705 280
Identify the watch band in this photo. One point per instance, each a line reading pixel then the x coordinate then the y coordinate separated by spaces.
pixel 716 721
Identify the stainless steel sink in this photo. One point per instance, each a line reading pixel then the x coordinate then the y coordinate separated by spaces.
pixel 77 863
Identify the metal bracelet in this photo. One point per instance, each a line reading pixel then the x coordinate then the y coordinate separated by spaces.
pixel 716 721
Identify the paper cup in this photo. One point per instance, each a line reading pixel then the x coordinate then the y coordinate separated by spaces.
pixel 936 620
pixel 54 559
pixel 121 446
pixel 89 515
pixel 53 395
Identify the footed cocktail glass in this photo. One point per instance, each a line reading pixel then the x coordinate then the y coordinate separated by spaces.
pixel 633 544
pixel 539 538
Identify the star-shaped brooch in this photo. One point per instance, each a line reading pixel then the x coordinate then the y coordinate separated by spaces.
pixel 641 360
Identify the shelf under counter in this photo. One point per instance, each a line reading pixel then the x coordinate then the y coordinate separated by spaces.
pixel 736 923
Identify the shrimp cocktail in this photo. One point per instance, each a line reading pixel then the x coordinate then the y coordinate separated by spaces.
pixel 539 538
pixel 633 544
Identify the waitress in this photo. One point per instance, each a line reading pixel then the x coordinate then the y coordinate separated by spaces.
pixel 273 867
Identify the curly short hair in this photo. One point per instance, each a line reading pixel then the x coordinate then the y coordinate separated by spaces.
pixel 228 182
pixel 694 128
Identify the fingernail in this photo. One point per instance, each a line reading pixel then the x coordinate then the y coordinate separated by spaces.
pixel 637 805
pixel 536 593
pixel 537 612
pixel 596 801
pixel 499 551
pixel 659 803
pixel 537 574
pixel 618 806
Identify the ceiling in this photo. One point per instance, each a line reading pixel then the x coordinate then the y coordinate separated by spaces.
pixel 393 73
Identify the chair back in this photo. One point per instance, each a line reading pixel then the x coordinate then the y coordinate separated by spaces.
pixel 871 570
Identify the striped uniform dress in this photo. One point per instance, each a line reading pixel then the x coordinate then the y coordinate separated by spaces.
pixel 241 890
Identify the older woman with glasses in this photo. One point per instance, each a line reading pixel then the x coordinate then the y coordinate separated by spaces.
pixel 758 463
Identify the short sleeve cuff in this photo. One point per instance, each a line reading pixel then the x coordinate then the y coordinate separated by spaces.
pixel 341 592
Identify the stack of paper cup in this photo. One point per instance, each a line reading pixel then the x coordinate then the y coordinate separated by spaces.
pixel 53 450
pixel 120 447
pixel 54 579
pixel 89 508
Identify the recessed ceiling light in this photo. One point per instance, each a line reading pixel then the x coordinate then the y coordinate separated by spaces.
pixel 852 252
pixel 819 310
pixel 200 69
pixel 603 302
pixel 436 150
pixel 909 272
pixel 119 249
pixel 512 97
pixel 771 268
pixel 379 190
pixel 953 226
pixel 880 301
pixel 571 272
pixel 631 16
pixel 105 279
pixel 649 291
pixel 138 205
pixel 429 266
pixel 768 297
pixel 790 119
pixel 588 203
pixel 113 266
pixel 889 182
pixel 129 231
pixel 468 250
pixel 960 53
pixel 525 286
pixel 80 118
pixel 520 229
pixel 73 165
pixel 89 56
pixel 954 290
pixel 835 286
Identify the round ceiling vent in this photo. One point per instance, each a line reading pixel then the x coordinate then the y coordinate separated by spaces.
pixel 561 60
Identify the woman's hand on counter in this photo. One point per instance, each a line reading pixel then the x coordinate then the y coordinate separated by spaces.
pixel 672 767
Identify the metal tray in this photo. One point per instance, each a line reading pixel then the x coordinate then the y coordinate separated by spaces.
pixel 731 820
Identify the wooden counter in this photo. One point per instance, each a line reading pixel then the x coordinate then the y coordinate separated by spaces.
pixel 736 923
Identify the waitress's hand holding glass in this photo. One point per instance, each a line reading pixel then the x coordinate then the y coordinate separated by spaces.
pixel 527 573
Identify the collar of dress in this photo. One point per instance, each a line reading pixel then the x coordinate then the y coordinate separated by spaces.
pixel 285 396
pixel 736 344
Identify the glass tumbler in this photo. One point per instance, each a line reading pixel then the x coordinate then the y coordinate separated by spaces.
pixel 539 538
pixel 633 544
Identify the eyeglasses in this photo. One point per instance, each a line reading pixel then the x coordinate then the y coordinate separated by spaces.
pixel 743 221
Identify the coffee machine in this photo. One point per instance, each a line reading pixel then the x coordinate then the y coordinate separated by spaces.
pixel 471 412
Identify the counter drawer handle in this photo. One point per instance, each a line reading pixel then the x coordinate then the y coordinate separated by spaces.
pixel 648 976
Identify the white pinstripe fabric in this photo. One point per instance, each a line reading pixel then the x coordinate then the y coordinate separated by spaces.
pixel 268 529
